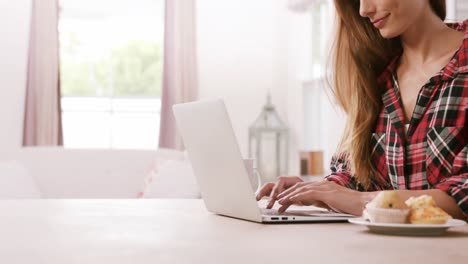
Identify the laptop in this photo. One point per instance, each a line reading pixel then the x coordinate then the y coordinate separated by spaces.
pixel 219 168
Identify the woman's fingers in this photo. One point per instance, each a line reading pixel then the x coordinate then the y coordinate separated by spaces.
pixel 265 190
pixel 283 208
pixel 277 189
pixel 300 185
pixel 308 196
pixel 273 189
pixel 291 189
pixel 284 183
pixel 323 194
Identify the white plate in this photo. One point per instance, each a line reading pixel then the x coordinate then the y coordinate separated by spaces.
pixel 407 229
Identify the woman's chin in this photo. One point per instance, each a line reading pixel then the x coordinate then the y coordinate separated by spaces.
pixel 388 34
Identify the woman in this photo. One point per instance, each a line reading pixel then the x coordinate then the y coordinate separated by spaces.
pixel 401 75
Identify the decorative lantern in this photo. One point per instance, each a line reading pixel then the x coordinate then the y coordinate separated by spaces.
pixel 268 144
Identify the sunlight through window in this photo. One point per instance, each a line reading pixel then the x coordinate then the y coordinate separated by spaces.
pixel 111 72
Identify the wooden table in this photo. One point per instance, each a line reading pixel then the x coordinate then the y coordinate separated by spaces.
pixel 182 231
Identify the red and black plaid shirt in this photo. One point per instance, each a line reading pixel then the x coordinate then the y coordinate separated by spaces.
pixel 433 153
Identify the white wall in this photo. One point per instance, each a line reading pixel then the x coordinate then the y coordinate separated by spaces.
pixel 14 32
pixel 242 55
pixel 244 51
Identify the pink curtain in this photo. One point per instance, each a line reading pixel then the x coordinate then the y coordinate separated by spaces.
pixel 180 82
pixel 42 119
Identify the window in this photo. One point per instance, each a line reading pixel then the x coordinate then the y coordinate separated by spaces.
pixel 461 10
pixel 111 72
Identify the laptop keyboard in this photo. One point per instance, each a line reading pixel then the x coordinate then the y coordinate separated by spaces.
pixel 269 211
pixel 274 212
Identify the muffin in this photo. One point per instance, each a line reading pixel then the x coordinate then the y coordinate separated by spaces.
pixel 420 201
pixel 425 211
pixel 387 207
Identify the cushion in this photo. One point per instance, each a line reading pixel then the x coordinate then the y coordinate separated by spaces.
pixel 16 182
pixel 170 176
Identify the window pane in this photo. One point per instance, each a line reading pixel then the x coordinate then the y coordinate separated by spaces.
pixel 131 130
pixel 121 123
pixel 111 48
pixel 86 129
pixel 111 72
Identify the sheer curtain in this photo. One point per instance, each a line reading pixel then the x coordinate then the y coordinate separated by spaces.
pixel 180 82
pixel 42 119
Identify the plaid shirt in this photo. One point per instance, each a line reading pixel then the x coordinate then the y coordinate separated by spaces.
pixel 433 153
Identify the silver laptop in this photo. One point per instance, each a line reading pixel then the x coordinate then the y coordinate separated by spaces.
pixel 218 166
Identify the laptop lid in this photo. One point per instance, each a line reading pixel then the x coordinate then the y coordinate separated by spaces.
pixel 216 159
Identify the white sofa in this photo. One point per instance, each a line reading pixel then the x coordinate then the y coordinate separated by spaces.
pixel 76 173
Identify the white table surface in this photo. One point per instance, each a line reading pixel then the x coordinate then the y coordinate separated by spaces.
pixel 182 231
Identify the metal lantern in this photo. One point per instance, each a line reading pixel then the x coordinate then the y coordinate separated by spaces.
pixel 268 144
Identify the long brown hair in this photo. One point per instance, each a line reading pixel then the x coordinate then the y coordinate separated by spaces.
pixel 360 55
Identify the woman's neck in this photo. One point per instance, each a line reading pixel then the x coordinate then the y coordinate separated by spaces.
pixel 428 39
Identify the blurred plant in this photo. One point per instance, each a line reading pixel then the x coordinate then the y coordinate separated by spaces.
pixel 134 69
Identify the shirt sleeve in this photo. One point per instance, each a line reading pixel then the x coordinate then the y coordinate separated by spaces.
pixel 457 185
pixel 341 174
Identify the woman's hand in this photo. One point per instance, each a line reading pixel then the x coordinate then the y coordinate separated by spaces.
pixel 324 194
pixel 274 189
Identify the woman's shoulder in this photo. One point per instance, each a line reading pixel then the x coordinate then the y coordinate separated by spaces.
pixel 460 64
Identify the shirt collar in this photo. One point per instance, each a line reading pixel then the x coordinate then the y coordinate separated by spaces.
pixel 459 64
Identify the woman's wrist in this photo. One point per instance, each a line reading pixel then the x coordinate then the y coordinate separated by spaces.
pixel 365 198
